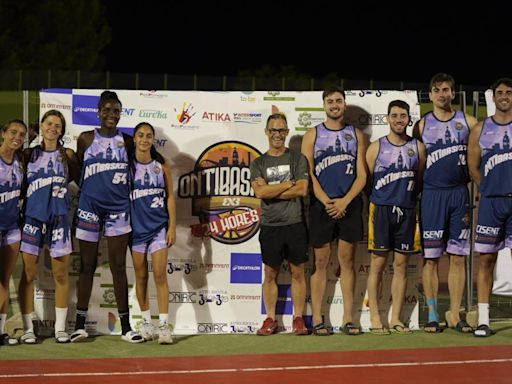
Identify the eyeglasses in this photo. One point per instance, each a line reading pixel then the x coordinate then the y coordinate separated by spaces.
pixel 281 131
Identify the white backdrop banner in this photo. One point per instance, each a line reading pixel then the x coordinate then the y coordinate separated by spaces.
pixel 214 269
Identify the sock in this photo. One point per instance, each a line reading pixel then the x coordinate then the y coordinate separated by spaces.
pixel 146 316
pixel 164 318
pixel 483 313
pixel 125 322
pixel 60 319
pixel 3 319
pixel 28 326
pixel 432 310
pixel 81 316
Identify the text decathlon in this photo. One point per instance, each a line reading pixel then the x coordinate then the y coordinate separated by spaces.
pixel 40 183
pixel 246 268
pixel 443 152
pixel 6 196
pixel 391 177
pixel 330 160
pixel 138 193
pixel 495 160
pixel 93 169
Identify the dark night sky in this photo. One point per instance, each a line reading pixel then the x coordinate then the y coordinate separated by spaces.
pixel 408 44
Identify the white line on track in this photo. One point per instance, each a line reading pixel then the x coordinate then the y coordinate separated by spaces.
pixel 260 369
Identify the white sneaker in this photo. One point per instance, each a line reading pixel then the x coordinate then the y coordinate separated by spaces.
pixel 146 330
pixel 78 334
pixel 132 337
pixel 62 337
pixel 5 339
pixel 164 335
pixel 28 337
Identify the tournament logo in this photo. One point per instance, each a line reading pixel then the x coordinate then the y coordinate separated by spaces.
pixel 221 192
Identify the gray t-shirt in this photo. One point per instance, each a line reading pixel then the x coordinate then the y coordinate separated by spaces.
pixel 290 165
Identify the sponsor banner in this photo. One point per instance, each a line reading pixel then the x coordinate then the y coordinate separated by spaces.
pixel 210 139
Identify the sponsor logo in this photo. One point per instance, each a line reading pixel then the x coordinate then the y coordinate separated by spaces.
pixel 63 107
pixel 212 297
pixel 152 114
pixel 184 116
pixel 221 193
pixel 212 328
pixel 109 297
pixel 216 117
pixel 245 268
pixel 152 95
pixel 247 117
pixel 183 297
pixel 243 327
pixel 114 323
pixel 284 305
pixel 85 110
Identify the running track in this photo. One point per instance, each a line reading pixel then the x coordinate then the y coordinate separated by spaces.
pixel 413 366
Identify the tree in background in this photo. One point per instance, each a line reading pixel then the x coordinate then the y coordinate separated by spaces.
pixel 54 34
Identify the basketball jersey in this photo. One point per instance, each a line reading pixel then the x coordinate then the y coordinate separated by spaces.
pixel 11 177
pixel 148 197
pixel 47 190
pixel 446 143
pixel 335 154
pixel 105 173
pixel 394 174
pixel 496 162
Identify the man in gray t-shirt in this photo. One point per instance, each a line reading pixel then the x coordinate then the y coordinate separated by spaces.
pixel 280 179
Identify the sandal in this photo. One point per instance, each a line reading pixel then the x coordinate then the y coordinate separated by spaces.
pixel 463 327
pixel 483 330
pixel 400 329
pixel 433 327
pixel 380 331
pixel 321 330
pixel 132 337
pixel 351 329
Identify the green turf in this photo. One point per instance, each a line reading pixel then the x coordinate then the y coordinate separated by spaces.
pixel 214 345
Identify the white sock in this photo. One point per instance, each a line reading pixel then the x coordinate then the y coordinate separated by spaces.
pixel 60 319
pixel 3 319
pixel 164 318
pixel 483 313
pixel 27 323
pixel 146 316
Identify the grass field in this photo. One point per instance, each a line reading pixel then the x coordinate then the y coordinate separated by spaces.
pixel 211 345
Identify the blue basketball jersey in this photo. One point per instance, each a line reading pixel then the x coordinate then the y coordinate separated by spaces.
pixel 11 177
pixel 496 163
pixel 446 143
pixel 105 173
pixel 335 154
pixel 149 208
pixel 47 191
pixel 394 174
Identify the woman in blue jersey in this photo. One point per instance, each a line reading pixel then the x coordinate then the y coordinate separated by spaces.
pixel 11 176
pixel 154 227
pixel 104 205
pixel 50 168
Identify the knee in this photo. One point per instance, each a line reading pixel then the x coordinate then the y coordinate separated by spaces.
pixel 160 277
pixel 60 277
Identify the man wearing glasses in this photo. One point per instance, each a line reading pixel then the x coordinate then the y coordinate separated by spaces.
pixel 279 178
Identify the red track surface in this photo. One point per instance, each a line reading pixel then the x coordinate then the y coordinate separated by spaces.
pixel 451 365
